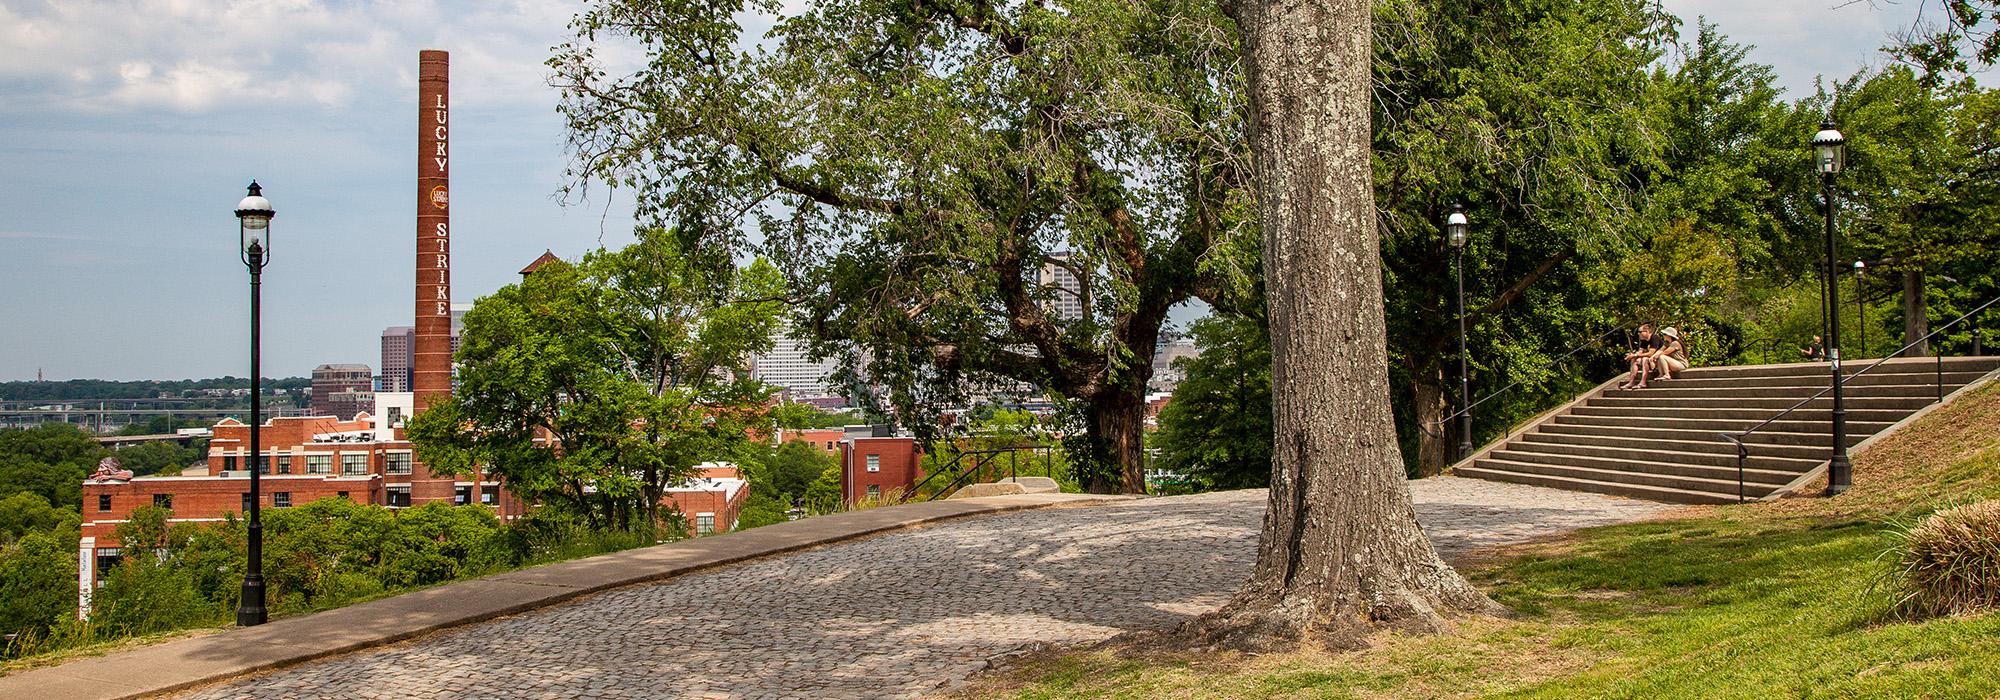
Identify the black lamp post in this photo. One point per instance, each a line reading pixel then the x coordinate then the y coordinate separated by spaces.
pixel 1830 149
pixel 253 216
pixel 1454 229
pixel 1861 304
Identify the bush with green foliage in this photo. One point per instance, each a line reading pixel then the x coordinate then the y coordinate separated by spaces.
pixel 1216 429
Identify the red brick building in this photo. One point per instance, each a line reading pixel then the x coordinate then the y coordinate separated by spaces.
pixel 712 502
pixel 878 467
pixel 826 440
pixel 304 459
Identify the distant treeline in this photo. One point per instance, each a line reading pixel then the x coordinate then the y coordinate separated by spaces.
pixel 144 389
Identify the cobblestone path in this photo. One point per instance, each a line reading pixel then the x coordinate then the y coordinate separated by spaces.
pixel 894 615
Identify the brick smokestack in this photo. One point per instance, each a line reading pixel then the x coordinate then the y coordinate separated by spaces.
pixel 431 357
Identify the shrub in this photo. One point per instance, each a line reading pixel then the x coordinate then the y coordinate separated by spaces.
pixel 1949 563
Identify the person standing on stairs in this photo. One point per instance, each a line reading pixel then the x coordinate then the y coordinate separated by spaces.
pixel 1641 358
pixel 1670 359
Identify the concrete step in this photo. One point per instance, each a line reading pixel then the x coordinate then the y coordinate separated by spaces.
pixel 1673 390
pixel 1819 381
pixel 1664 464
pixel 1709 444
pixel 1677 477
pixel 1758 439
pixel 1496 470
pixel 1755 414
pixel 1657 400
pixel 1664 443
pixel 1899 365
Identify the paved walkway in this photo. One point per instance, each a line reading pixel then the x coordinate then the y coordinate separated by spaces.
pixel 895 615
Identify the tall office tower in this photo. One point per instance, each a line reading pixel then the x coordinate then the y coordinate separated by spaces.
pixel 396 353
pixel 342 390
pixel 789 366
pixel 1067 303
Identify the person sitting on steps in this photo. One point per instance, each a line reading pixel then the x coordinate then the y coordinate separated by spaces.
pixel 1672 358
pixel 1641 358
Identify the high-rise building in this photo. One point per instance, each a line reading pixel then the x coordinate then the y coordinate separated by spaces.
pixel 342 390
pixel 396 358
pixel 790 367
pixel 1067 302
pixel 398 343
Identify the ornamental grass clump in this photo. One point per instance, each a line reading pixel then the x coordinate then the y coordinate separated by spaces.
pixel 1949 563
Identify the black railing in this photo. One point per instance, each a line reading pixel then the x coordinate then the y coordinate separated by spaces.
pixel 957 475
pixel 1743 449
pixel 1593 342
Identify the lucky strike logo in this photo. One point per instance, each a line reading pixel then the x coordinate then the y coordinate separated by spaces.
pixel 438 197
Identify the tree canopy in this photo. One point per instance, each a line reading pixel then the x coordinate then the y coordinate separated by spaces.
pixel 594 387
pixel 927 174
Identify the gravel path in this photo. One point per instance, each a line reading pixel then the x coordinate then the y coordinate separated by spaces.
pixel 895 615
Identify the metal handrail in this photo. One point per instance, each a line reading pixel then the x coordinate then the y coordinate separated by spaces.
pixel 1743 450
pixel 1593 342
pixel 981 459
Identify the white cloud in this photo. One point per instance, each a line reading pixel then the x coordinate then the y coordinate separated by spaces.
pixel 197 56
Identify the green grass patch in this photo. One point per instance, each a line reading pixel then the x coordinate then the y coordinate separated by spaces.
pixel 1784 600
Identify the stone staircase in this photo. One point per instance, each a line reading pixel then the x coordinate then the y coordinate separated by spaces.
pixel 1661 443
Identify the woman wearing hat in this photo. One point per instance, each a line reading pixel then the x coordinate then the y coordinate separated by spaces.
pixel 1672 358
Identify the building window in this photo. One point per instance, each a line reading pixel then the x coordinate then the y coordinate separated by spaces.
pixel 342 494
pixel 319 464
pixel 399 462
pixel 489 495
pixel 103 502
pixel 246 503
pixel 874 491
pixel 163 500
pixel 829 445
pixel 282 464
pixel 461 495
pixel 395 416
pixel 874 463
pixel 399 498
pixel 281 499
pixel 229 463
pixel 704 524
pixel 353 463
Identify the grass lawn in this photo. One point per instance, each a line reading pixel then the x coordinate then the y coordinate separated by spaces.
pixel 1785 599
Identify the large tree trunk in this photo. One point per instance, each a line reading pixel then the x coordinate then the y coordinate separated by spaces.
pixel 1341 553
pixel 1118 432
pixel 1437 439
pixel 1916 312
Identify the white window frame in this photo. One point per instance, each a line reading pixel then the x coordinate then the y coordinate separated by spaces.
pixel 391 457
pixel 704 523
pixel 320 463
pixel 344 461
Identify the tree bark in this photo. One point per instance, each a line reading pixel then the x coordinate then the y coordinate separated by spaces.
pixel 1436 438
pixel 1117 429
pixel 1342 554
pixel 1916 312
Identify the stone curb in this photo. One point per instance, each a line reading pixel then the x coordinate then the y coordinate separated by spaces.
pixel 184 663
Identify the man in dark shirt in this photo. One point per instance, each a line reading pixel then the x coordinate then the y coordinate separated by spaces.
pixel 1816 351
pixel 1641 358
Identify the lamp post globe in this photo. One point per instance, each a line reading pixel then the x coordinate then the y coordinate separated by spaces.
pixel 1829 158
pixel 253 217
pixel 1456 227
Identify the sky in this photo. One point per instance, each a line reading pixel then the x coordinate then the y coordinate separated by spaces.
pixel 128 131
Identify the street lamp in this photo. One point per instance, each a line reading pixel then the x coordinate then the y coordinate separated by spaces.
pixel 1454 229
pixel 1830 155
pixel 253 216
pixel 1861 303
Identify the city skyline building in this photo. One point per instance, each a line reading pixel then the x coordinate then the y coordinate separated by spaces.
pixel 1066 300
pixel 342 390
pixel 790 366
